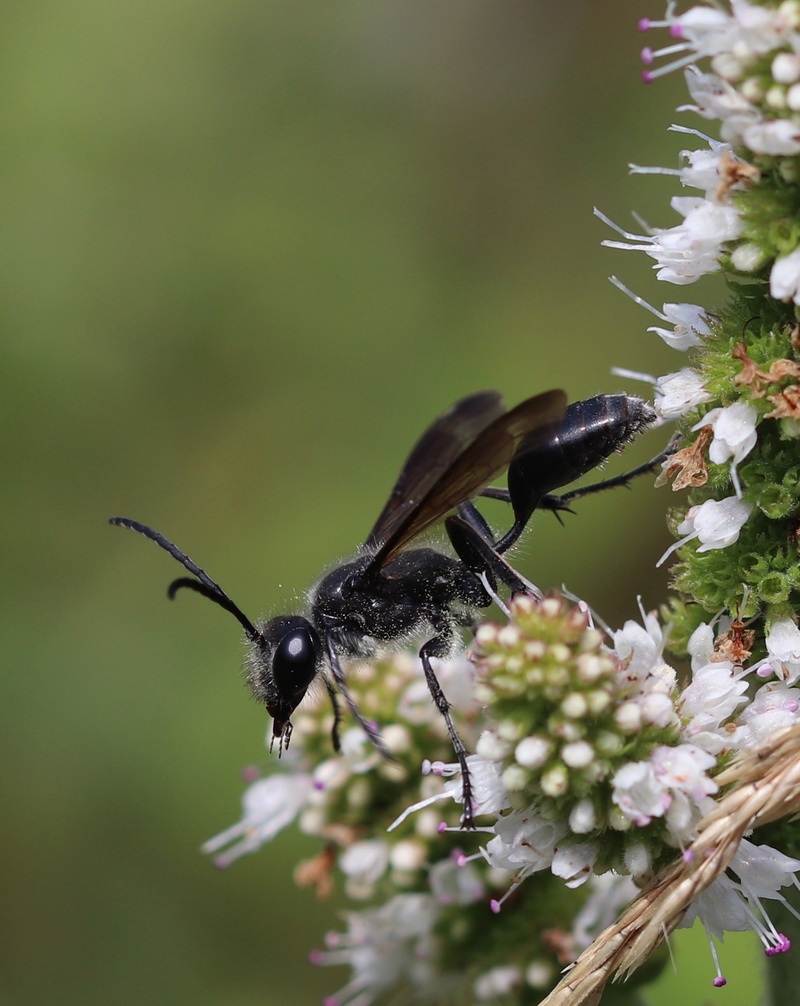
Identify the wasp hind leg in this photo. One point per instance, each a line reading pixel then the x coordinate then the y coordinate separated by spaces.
pixel 440 647
pixel 474 545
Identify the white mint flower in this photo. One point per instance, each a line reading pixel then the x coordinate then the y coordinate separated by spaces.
pixel 639 793
pixel 775 706
pixel 269 805
pixel 384 947
pixel 608 895
pixel 657 709
pixel 701 645
pixel 689 321
pixel 364 863
pixel 720 907
pixel 672 782
pixel 727 906
pixel 679 393
pixel 732 39
pixel 786 68
pixel 683 768
pixel 497 983
pixel 763 870
pixel 716 523
pixel 783 649
pixel 640 647
pixel 775 137
pixel 717 99
pixel 523 842
pixel 714 169
pixel 711 698
pixel 748 257
pixel 735 436
pixel 455 883
pixel 702 31
pixel 784 278
pixel 682 818
pixel 583 817
pixel 573 863
pixel 702 168
pixel 685 253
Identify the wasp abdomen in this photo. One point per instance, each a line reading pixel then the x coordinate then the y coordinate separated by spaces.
pixel 590 432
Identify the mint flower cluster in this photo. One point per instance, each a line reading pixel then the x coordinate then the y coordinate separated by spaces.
pixel 594 764
pixel 591 736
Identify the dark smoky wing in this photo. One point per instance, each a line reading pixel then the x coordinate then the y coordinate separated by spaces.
pixel 432 455
pixel 532 422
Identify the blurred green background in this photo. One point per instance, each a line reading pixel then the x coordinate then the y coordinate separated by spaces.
pixel 249 250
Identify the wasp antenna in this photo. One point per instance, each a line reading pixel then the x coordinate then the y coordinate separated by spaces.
pixel 203 585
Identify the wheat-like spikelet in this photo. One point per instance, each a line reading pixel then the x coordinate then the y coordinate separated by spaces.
pixel 766 785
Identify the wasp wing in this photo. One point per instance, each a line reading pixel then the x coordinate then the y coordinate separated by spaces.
pixel 469 465
pixel 432 455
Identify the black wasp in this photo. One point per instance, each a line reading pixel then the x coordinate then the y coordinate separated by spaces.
pixel 389 592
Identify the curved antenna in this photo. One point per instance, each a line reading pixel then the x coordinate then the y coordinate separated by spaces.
pixel 205 586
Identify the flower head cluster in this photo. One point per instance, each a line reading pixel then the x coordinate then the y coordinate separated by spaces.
pixel 604 762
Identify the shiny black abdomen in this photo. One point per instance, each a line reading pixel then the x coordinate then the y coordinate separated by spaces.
pixel 590 432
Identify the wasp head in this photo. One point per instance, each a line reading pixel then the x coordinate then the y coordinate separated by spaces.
pixel 284 659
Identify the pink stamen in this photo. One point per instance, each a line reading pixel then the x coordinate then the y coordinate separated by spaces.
pixel 719 982
pixel 677 64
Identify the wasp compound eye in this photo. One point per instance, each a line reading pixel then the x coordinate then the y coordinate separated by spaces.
pixel 295 661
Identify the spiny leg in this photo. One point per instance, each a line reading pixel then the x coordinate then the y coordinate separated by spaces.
pixel 559 503
pixel 479 555
pixel 337 717
pixel 562 502
pixel 341 683
pixel 439 646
